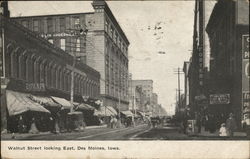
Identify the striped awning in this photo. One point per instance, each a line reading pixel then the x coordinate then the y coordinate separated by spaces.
pixel 65 103
pixel 127 113
pixel 46 101
pixel 18 103
pixel 84 106
pixel 105 111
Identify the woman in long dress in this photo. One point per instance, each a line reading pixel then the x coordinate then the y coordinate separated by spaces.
pixel 33 128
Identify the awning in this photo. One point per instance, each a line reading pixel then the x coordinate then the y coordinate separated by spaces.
pixel 105 111
pixel 141 113
pixel 18 103
pixel 65 103
pixel 46 101
pixel 127 113
pixel 84 106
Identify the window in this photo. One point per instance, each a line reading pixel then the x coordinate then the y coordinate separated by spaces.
pixel 78 45
pixel 62 24
pixel 62 42
pixel 50 25
pixel 77 22
pixel 106 26
pixel 111 32
pixel 25 23
pixel 35 25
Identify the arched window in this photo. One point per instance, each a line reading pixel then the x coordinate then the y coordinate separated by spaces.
pixel 53 76
pixel 23 67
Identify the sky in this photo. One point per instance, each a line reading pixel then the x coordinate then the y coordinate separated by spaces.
pixel 160 35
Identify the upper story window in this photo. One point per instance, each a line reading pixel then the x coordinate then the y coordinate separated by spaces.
pixel 78 45
pixel 25 23
pixel 62 42
pixel 50 25
pixel 111 31
pixel 35 25
pixel 106 26
pixel 62 24
pixel 76 21
pixel 115 37
pixel 119 42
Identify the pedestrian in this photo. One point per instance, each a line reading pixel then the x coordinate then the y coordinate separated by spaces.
pixel 198 121
pixel 112 122
pixel 223 130
pixel 33 128
pixel 115 122
pixel 21 125
pixel 231 125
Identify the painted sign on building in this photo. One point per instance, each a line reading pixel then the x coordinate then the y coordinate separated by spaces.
pixel 219 99
pixel 245 75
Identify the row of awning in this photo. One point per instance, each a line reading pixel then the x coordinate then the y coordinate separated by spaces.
pixel 18 103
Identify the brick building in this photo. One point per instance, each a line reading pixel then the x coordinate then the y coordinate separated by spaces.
pixel 32 65
pixel 101 45
pixel 228 29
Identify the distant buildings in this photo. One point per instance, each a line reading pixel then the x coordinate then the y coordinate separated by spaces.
pixel 142 97
pixel 95 39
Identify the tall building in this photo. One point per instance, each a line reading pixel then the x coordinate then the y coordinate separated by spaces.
pixel 197 62
pixel 94 38
pixel 154 99
pixel 34 67
pixel 186 83
pixel 147 87
pixel 228 31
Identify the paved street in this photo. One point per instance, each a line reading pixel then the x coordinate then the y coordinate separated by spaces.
pixel 88 134
pixel 141 132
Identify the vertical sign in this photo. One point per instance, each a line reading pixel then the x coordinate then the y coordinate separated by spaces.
pixel 2 58
pixel 245 78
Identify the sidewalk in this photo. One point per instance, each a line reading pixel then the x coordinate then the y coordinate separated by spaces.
pixel 207 134
pixel 11 136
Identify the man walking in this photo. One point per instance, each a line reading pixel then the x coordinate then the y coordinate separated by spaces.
pixel 231 125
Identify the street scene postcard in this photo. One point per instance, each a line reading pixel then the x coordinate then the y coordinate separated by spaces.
pixel 125 79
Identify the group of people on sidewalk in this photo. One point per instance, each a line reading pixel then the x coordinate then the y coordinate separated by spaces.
pixel 226 126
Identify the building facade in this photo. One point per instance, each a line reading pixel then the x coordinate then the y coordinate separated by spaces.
pixel 95 39
pixel 154 99
pixel 186 83
pixel 146 94
pixel 33 65
pixel 228 30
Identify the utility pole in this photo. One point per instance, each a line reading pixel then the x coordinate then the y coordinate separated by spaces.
pixel 78 31
pixel 179 72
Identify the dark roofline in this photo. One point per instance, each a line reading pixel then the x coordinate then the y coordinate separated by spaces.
pixel 143 80
pixel 54 50
pixel 107 9
pixel 217 14
pixel 48 15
